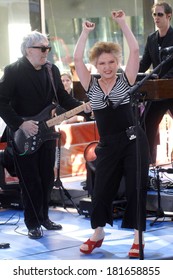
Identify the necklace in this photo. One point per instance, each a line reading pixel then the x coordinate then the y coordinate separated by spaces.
pixel 107 85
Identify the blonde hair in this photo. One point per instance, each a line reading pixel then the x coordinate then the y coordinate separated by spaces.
pixel 67 74
pixel 167 7
pixel 105 47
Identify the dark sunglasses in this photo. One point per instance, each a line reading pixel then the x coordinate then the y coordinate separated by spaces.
pixel 158 14
pixel 43 48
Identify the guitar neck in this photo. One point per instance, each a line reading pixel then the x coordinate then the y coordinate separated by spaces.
pixel 59 119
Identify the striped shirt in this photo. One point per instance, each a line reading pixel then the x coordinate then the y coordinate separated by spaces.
pixel 111 120
pixel 98 99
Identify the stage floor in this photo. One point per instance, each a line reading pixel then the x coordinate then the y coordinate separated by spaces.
pixel 64 244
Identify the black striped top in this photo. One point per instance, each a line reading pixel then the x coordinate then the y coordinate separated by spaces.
pixel 110 120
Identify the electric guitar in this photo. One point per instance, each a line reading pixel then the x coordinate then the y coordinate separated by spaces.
pixel 28 145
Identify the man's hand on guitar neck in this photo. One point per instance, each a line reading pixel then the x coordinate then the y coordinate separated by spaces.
pixel 87 107
pixel 30 128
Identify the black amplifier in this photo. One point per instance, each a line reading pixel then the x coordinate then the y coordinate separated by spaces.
pixel 118 207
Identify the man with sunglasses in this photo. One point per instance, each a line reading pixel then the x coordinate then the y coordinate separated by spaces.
pixel 26 89
pixel 160 39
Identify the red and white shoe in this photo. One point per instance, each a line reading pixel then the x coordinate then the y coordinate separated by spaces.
pixel 134 251
pixel 91 246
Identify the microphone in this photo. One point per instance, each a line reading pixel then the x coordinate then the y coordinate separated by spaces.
pixel 168 170
pixel 166 51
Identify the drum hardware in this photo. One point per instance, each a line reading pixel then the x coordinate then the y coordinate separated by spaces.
pixel 58 183
pixel 159 212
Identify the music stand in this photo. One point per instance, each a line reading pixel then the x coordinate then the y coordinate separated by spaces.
pixel 58 183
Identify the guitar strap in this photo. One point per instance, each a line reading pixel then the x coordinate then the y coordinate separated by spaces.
pixel 49 68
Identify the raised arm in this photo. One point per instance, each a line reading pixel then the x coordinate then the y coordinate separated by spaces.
pixel 82 71
pixel 132 66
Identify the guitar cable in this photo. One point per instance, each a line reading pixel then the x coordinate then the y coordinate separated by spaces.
pixel 23 181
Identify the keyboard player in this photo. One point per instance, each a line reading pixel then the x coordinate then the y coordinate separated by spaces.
pixel 158 40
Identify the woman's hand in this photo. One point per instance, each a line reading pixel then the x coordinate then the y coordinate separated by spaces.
pixel 88 26
pixel 87 107
pixel 132 65
pixel 118 16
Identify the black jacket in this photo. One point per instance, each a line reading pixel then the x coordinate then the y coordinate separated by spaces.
pixel 25 92
pixel 152 56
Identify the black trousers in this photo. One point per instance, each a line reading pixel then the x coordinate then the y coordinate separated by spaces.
pixel 116 157
pixel 151 120
pixel 36 176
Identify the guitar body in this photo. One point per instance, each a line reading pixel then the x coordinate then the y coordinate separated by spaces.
pixel 28 145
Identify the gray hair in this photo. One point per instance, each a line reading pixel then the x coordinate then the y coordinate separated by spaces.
pixel 31 39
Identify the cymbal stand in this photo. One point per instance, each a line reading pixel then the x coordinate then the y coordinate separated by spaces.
pixel 58 183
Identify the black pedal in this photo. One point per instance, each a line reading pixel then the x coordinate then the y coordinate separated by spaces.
pixel 85 206
pixel 4 245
